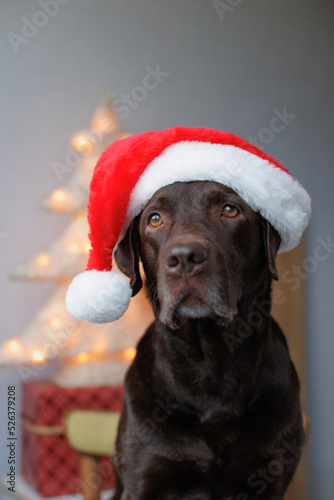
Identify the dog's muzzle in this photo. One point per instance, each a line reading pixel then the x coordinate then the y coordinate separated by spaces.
pixel 186 260
pixel 188 286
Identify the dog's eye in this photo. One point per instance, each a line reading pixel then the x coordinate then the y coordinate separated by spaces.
pixel 230 211
pixel 155 220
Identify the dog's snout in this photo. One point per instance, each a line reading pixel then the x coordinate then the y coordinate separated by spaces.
pixel 186 258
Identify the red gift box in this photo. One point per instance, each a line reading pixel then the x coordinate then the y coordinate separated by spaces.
pixel 49 465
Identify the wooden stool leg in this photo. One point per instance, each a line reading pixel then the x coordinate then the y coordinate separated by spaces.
pixel 90 477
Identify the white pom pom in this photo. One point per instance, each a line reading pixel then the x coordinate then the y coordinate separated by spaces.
pixel 98 296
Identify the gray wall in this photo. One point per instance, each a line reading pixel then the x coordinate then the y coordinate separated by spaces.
pixel 228 73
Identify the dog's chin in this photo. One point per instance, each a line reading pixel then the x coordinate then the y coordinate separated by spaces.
pixel 193 307
pixel 198 311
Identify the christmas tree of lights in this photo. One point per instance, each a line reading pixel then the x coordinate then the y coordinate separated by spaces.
pixel 90 353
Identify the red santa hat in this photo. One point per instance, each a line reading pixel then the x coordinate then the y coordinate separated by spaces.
pixel 131 170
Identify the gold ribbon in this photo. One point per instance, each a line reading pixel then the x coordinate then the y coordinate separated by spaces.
pixel 44 430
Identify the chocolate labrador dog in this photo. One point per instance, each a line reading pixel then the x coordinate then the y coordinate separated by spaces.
pixel 211 407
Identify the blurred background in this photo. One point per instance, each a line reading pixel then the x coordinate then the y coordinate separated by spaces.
pixel 260 69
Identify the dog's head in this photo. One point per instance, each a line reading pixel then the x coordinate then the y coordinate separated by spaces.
pixel 202 249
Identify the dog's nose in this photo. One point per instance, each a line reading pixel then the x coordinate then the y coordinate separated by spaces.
pixel 188 258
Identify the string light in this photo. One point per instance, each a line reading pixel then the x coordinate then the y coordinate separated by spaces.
pixel 81 143
pixel 59 195
pixel 43 259
pixel 38 356
pixel 124 135
pixel 74 248
pixel 59 199
pixel 83 357
pixel 13 346
pixel 55 322
pixel 129 353
pixel 106 125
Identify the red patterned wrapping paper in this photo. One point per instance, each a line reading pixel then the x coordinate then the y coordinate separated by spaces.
pixel 48 464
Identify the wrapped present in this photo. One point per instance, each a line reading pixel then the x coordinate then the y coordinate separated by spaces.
pixel 49 464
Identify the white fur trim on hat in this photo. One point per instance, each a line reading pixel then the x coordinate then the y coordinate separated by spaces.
pixel 267 189
pixel 98 296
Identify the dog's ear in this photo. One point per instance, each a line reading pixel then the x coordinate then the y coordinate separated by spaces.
pixel 127 256
pixel 272 241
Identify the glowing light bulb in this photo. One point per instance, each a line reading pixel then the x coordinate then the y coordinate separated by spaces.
pixel 13 346
pixel 43 259
pixel 38 356
pixel 59 195
pixel 59 199
pixel 55 322
pixel 87 248
pixel 74 248
pixel 129 353
pixel 83 357
pixel 106 125
pixel 124 135
pixel 81 143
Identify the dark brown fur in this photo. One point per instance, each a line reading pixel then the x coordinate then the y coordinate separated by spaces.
pixel 211 408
